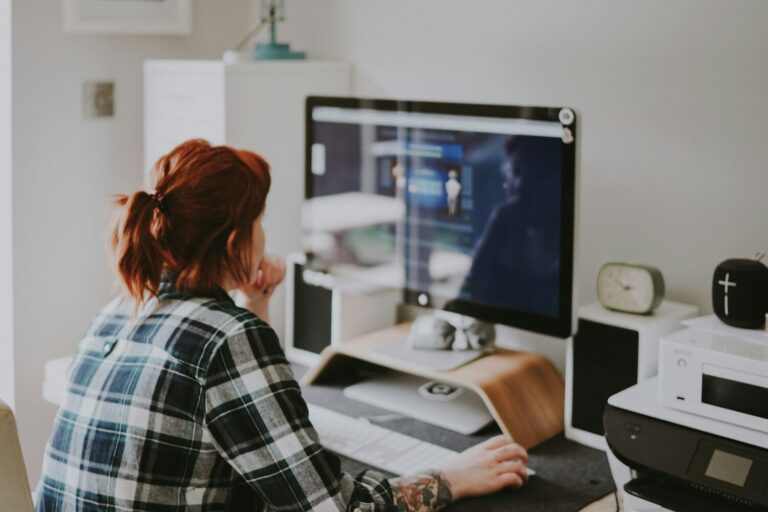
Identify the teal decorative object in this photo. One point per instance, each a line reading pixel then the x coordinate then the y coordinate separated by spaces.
pixel 272 12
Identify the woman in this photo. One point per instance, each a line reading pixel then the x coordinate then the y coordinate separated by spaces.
pixel 180 400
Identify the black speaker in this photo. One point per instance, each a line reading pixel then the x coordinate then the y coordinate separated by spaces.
pixel 605 361
pixel 610 352
pixel 740 293
pixel 311 318
pixel 322 310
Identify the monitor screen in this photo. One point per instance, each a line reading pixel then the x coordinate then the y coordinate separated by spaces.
pixel 468 208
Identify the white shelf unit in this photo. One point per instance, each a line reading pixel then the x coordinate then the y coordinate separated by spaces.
pixel 252 105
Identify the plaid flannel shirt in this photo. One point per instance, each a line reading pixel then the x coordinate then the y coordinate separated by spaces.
pixel 190 404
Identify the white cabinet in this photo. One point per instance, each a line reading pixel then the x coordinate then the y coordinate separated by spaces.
pixel 251 105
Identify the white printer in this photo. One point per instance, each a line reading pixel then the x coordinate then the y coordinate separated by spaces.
pixel 696 437
pixel 666 459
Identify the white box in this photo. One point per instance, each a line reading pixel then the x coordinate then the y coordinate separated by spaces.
pixel 715 375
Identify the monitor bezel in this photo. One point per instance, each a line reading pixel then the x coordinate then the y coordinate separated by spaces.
pixel 560 326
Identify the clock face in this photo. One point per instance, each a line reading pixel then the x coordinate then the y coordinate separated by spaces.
pixel 629 288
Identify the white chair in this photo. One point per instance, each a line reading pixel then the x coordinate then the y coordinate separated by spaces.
pixel 15 495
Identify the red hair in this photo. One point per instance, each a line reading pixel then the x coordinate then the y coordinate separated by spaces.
pixel 197 223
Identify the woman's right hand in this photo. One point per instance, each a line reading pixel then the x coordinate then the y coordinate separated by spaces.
pixel 269 275
pixel 486 468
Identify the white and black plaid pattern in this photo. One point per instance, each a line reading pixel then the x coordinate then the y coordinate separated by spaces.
pixel 190 404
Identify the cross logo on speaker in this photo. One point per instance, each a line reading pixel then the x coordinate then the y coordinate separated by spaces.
pixel 726 284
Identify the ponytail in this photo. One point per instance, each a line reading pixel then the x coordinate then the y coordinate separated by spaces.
pixel 139 255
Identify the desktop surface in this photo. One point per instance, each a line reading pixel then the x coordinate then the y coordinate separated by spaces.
pixel 569 475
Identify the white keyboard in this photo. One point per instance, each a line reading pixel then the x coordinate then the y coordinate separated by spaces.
pixel 374 445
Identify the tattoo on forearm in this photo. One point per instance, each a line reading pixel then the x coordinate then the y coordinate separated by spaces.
pixel 426 492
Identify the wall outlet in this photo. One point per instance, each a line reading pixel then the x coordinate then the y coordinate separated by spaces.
pixel 98 99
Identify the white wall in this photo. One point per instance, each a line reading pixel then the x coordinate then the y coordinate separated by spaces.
pixel 673 98
pixel 64 170
pixel 6 262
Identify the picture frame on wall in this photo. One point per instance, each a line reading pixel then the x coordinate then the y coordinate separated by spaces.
pixel 143 17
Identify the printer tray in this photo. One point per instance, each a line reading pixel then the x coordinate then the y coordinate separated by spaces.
pixel 680 497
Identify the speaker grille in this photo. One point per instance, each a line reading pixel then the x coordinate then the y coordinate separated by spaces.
pixel 605 359
pixel 312 314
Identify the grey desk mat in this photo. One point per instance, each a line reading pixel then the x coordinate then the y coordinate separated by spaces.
pixel 569 475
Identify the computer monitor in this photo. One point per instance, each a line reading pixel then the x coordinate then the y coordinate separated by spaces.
pixel 466 207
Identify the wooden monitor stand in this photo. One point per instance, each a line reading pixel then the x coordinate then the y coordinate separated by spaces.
pixel 523 392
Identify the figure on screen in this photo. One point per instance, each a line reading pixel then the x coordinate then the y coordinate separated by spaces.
pixel 398 175
pixel 452 191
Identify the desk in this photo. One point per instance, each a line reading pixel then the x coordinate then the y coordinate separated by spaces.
pixel 569 475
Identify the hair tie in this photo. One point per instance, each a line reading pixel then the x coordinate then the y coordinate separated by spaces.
pixel 157 199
